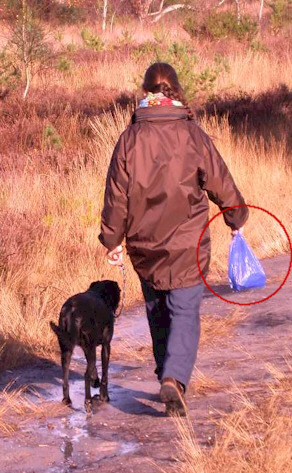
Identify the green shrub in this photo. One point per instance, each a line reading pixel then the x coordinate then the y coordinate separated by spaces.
pixel 71 47
pixel 144 50
pixel 185 60
pixel 224 24
pixel 258 47
pixel 162 35
pixel 64 64
pixel 92 41
pixel 247 28
pixel 191 26
pixel 281 14
pixel 127 37
pixel 221 63
pixel 59 36
pixel 51 138
pixel 10 74
pixel 68 14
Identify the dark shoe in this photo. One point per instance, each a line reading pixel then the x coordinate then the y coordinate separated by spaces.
pixel 172 394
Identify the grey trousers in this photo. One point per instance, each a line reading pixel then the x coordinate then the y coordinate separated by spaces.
pixel 174 321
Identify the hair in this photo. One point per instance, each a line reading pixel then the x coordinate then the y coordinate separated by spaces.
pixel 161 77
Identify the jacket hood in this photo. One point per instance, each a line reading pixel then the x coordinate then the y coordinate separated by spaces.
pixel 159 113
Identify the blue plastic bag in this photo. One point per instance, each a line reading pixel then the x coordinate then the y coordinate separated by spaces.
pixel 244 269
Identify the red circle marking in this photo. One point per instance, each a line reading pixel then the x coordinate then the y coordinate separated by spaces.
pixel 290 245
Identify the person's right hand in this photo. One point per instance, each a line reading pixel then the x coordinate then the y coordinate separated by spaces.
pixel 115 256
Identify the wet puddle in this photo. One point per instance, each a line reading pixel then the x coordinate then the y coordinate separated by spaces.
pixel 83 439
pixel 73 458
pixel 78 452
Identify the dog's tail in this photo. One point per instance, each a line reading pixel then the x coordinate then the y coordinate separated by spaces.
pixel 63 336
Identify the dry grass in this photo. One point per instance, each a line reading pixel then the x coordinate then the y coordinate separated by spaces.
pixel 255 437
pixel 256 72
pixel 16 407
pixel 218 329
pixel 201 385
pixel 131 349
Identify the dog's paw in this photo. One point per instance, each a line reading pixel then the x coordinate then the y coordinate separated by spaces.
pixel 88 405
pixel 67 401
pixel 104 397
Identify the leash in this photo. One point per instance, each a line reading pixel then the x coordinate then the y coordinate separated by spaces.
pixel 123 269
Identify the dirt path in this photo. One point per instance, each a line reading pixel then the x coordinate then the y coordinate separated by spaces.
pixel 131 432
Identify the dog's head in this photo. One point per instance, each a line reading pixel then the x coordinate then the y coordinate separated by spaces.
pixel 109 291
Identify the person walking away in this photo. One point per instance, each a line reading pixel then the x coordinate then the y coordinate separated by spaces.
pixel 162 172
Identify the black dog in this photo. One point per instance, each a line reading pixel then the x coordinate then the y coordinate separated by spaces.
pixel 87 320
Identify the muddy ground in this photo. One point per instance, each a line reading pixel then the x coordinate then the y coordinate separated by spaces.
pixel 132 433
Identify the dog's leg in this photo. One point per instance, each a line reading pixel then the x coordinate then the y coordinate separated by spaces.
pixel 94 379
pixel 90 374
pixel 66 358
pixel 105 355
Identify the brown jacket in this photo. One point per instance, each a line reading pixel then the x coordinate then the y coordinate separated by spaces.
pixel 161 169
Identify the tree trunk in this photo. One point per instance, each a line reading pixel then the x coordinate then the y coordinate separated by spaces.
pixel 25 57
pixel 141 8
pixel 104 15
pixel 112 21
pixel 28 81
pixel 261 10
pixel 238 12
pixel 159 14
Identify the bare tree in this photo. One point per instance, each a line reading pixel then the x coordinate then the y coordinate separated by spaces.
pixel 162 11
pixel 28 46
pixel 159 9
pixel 142 9
pixel 238 10
pixel 261 10
pixel 104 15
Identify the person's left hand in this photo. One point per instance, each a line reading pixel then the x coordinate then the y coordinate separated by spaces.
pixel 234 232
pixel 115 256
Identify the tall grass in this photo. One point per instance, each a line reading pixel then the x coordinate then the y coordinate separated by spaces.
pixel 255 72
